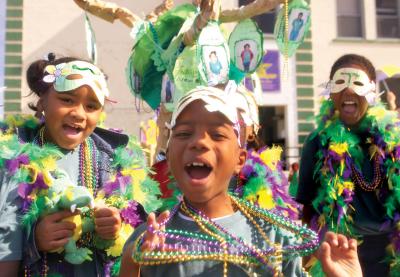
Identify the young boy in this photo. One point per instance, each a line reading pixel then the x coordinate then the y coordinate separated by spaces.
pixel 204 152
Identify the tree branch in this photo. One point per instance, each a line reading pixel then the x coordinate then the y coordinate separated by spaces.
pixel 108 11
pixel 254 8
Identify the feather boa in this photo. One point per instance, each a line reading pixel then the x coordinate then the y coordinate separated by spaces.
pixel 30 165
pixel 261 181
pixel 341 150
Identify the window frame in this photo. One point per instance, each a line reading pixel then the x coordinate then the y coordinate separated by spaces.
pixel 360 16
pixel 276 10
pixel 380 16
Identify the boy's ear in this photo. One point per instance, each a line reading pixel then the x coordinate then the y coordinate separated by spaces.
pixel 241 160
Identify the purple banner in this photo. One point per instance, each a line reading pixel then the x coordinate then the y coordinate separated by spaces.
pixel 268 72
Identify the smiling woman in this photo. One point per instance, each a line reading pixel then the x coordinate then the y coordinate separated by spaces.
pixel 349 184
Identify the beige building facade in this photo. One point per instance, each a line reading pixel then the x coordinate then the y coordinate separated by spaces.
pixel 30 29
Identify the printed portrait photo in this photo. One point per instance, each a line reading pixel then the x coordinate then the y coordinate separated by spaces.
pixel 246 55
pixel 167 90
pixel 215 62
pixel 297 21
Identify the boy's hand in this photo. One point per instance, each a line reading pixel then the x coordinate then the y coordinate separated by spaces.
pixel 107 222
pixel 52 233
pixel 338 256
pixel 153 241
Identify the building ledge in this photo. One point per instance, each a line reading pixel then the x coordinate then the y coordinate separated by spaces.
pixel 363 40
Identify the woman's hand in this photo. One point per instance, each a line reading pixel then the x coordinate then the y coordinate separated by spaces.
pixel 52 233
pixel 107 222
pixel 338 256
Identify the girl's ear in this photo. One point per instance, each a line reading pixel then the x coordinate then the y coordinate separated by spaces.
pixel 241 160
pixel 40 108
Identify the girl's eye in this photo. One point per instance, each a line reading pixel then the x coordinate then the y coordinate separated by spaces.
pixel 93 107
pixel 66 100
pixel 339 82
pixel 357 83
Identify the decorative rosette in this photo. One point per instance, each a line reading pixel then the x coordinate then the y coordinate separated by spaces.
pixel 55 72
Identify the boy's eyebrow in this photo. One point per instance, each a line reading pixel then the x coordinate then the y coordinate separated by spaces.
pixel 192 123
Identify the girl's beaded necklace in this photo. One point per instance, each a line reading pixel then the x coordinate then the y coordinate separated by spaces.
pixel 88 162
pixel 217 244
pixel 88 177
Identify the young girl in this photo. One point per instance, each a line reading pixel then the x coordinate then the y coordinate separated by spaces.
pixel 349 170
pixel 67 143
pixel 211 232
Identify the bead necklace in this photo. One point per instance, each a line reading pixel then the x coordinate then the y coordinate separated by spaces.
pixel 206 224
pixel 88 162
pixel 359 179
pixel 340 148
pixel 217 244
pixel 88 177
pixel 88 165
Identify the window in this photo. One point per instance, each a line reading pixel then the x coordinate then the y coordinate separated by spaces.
pixel 349 19
pixel 387 17
pixel 266 21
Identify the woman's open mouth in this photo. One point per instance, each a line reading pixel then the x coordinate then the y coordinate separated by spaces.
pixel 349 107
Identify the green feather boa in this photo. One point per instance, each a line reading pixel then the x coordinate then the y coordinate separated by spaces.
pixel 341 149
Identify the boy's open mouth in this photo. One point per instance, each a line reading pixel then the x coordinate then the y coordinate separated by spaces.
pixel 198 170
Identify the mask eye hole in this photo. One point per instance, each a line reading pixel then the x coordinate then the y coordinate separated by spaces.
pixel 74 77
pixel 339 82
pixel 357 83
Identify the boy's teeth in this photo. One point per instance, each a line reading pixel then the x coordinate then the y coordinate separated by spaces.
pixel 349 102
pixel 197 164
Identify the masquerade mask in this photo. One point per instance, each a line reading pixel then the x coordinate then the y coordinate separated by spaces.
pixel 352 78
pixel 84 74
pixel 216 100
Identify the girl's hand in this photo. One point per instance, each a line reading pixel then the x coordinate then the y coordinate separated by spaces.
pixel 107 222
pixel 52 233
pixel 153 241
pixel 338 256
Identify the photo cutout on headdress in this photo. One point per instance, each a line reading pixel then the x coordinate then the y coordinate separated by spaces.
pixel 134 81
pixel 299 21
pixel 246 45
pixel 167 92
pixel 213 55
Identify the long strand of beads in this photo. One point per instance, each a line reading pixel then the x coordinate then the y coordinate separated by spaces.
pixel 277 246
pixel 217 236
pixel 241 254
pixel 310 240
pixel 359 179
pixel 262 256
pixel 219 245
pixel 89 176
